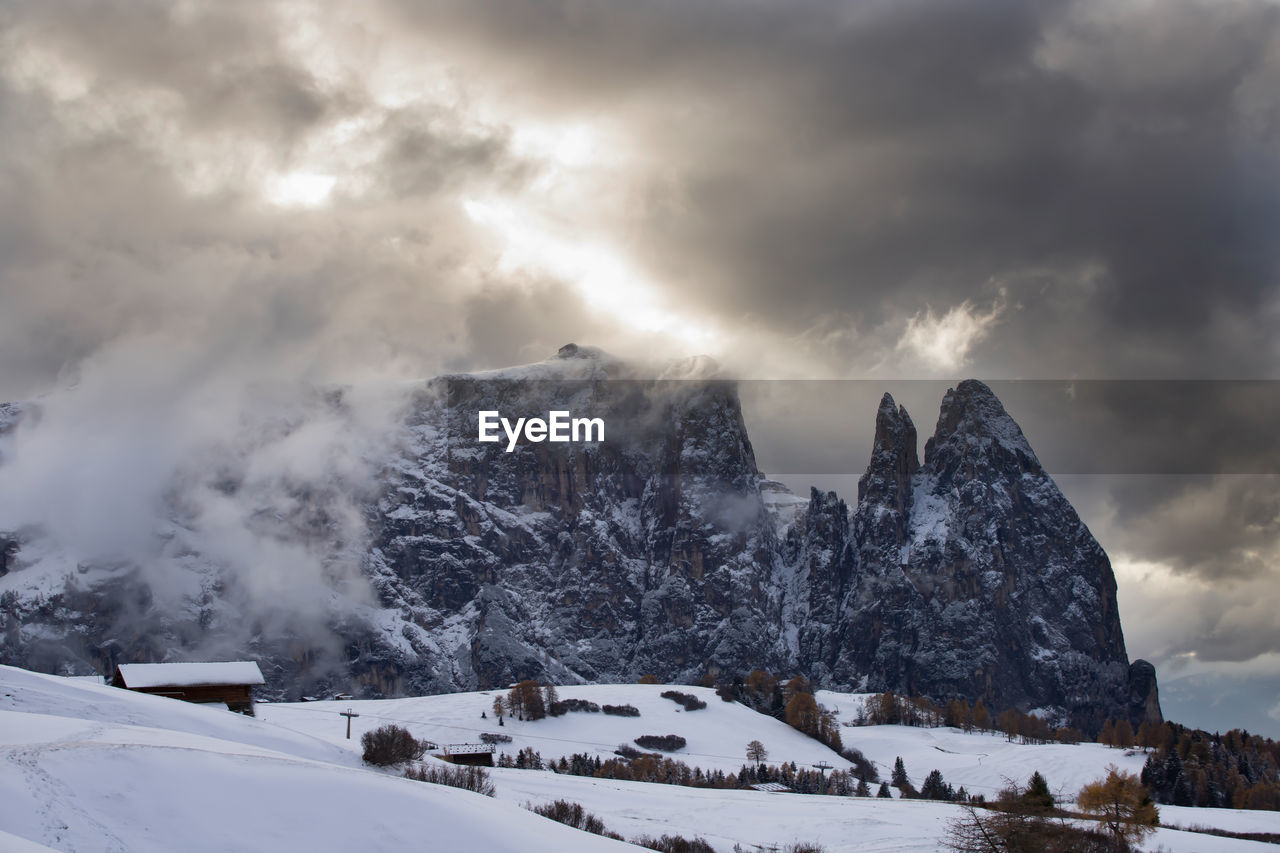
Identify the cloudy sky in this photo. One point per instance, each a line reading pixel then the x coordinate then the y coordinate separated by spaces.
pixel 202 202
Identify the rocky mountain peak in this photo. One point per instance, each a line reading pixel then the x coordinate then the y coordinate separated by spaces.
pixel 572 350
pixel 894 461
pixel 973 426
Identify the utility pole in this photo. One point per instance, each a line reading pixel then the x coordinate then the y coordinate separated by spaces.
pixel 823 767
pixel 348 714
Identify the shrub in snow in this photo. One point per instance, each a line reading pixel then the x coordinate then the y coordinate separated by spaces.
pixel 666 743
pixel 994 831
pixel 674 844
pixel 455 776
pixel 622 710
pixel 561 707
pixel 687 700
pixel 862 766
pixel 573 814
pixel 391 744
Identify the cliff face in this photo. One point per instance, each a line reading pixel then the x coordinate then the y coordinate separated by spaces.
pixel 976 577
pixel 649 552
pixel 662 550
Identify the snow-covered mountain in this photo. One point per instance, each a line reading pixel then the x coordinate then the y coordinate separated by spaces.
pixel 969 574
pixel 661 549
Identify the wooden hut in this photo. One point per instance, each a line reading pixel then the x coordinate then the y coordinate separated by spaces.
pixel 228 683
pixel 474 754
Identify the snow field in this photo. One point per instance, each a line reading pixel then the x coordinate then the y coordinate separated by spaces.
pixel 839 824
pixel 717 735
pixel 90 768
pixel 87 780
pixel 726 818
pixel 983 762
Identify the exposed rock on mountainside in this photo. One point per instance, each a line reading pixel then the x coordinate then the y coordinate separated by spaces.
pixel 661 549
pixel 974 576
pixel 651 551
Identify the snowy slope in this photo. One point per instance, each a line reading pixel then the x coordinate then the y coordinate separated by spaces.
pixel 34 693
pixel 78 779
pixel 980 761
pixel 717 735
pixel 725 818
pixel 90 768
pixel 840 825
pixel 1232 820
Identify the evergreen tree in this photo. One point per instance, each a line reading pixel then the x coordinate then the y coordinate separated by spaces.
pixel 1172 771
pixel 935 787
pixel 883 793
pixel 1182 793
pixel 899 778
pixel 1037 798
pixel 863 789
pixel 1152 771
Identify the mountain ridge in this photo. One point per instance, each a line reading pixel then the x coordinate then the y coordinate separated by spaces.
pixel 660 551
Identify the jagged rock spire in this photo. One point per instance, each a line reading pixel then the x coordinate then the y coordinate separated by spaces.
pixel 893 458
pixel 976 577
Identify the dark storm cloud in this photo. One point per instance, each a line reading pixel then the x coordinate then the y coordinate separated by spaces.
pixel 427 153
pixel 140 140
pixel 223 62
pixel 1111 165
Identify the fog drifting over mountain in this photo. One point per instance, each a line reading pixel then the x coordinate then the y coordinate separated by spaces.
pixel 214 214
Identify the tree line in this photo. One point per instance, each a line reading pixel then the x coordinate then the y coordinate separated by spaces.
pixel 1191 767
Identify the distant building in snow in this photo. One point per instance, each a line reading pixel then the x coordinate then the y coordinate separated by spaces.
pixel 475 754
pixel 228 683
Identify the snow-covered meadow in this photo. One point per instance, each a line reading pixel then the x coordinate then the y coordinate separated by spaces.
pixel 93 768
